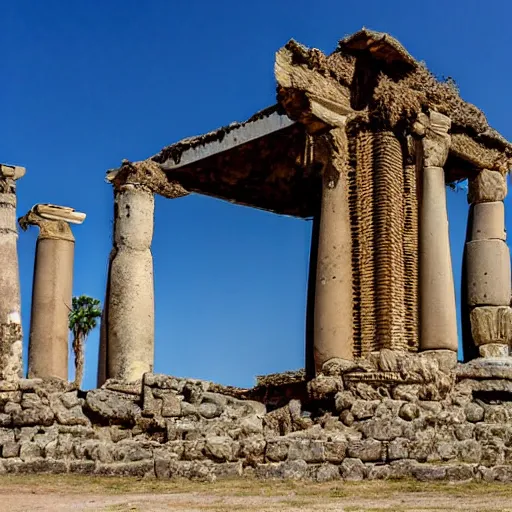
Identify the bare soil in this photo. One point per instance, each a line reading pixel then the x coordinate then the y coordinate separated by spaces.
pixel 80 493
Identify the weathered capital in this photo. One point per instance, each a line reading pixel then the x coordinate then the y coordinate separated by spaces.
pixel 433 130
pixel 145 174
pixel 8 175
pixel 330 150
pixel 53 221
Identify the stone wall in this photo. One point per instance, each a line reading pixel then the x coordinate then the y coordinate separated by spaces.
pixel 392 416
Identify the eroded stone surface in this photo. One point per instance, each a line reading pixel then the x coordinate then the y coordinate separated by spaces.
pixel 487 186
pixel 491 325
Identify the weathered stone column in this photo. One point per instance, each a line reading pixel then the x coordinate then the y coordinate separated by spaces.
pixel 488 266
pixel 333 315
pixel 52 289
pixel 130 310
pixel 438 320
pixel 11 336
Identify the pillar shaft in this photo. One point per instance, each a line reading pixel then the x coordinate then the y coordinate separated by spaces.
pixel 333 316
pixel 52 290
pixel 488 277
pixel 51 303
pixel 438 319
pixel 10 302
pixel 130 309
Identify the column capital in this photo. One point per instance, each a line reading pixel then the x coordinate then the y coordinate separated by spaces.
pixel 8 175
pixel 147 175
pixel 53 221
pixel 433 130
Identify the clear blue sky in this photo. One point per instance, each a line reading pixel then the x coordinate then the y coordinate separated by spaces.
pixel 86 84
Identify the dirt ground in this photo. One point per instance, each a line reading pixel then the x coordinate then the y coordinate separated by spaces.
pixel 77 493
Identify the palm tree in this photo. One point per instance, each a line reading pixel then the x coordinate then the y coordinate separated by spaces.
pixel 82 320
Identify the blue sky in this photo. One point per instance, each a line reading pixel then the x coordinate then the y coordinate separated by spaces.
pixel 86 84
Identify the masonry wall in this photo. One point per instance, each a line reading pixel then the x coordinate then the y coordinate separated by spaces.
pixel 448 427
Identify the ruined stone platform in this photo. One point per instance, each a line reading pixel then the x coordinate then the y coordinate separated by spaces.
pixel 391 416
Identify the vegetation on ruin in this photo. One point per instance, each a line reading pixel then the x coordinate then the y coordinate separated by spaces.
pixel 82 320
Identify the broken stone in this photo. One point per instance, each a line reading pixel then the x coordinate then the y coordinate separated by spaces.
pixel 487 186
pixel 492 324
pixel 493 350
pixel 111 406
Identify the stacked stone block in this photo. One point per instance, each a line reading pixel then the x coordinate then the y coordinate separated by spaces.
pixel 488 265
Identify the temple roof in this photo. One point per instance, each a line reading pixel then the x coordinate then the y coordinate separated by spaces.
pixel 370 79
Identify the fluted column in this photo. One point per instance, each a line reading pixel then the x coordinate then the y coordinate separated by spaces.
pixel 52 289
pixel 128 333
pixel 488 265
pixel 11 336
pixel 333 315
pixel 438 319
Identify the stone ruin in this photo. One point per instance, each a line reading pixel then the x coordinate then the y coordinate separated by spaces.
pixel 364 142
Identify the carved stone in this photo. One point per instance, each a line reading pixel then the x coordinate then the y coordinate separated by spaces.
pixel 52 289
pixel 488 221
pixel 488 268
pixel 487 186
pixel 10 303
pixel 436 140
pixel 491 325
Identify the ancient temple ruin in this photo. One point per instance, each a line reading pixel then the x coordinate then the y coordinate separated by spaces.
pixel 364 142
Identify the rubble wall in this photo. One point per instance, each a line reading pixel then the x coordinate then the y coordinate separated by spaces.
pixel 394 417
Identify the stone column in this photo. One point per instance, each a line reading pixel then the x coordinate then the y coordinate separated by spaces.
pixel 129 318
pixel 52 289
pixel 333 315
pixel 438 319
pixel 11 336
pixel 488 266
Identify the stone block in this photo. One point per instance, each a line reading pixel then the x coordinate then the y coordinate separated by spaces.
pixel 352 470
pixel 487 186
pixel 171 405
pixel 428 473
pixel 220 448
pixel 310 450
pixel 326 473
pixel 335 451
pixel 491 324
pixel 494 350
pixel 488 273
pixel 30 451
pixel 474 412
pixel 10 449
pixel 277 450
pixel 398 449
pixel 145 468
pixel 111 406
pixel 367 450
pixel 488 221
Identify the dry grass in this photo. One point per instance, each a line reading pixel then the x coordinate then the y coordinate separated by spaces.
pixel 110 494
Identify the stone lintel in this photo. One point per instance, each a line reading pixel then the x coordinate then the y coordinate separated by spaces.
pixel 317 101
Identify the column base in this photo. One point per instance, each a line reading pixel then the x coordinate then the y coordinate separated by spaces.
pixel 493 350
